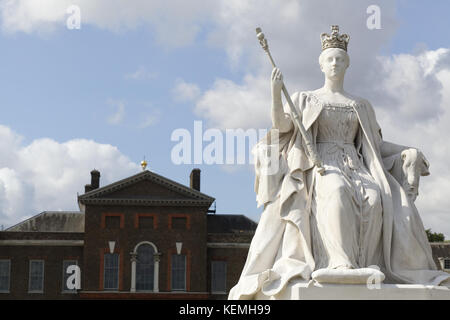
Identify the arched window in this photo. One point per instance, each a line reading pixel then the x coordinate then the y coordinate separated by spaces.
pixel 145 268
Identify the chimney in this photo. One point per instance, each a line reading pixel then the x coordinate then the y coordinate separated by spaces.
pixel 195 179
pixel 95 181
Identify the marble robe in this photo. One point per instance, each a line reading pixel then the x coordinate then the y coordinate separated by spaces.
pixel 282 247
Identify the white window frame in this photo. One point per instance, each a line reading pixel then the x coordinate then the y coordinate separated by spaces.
pixel 156 256
pixel 212 276
pixel 153 274
pixel 64 280
pixel 29 276
pixel 9 275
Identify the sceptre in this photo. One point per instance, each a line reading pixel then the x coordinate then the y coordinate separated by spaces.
pixel 312 152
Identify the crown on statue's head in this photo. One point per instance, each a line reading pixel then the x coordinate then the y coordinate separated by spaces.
pixel 335 40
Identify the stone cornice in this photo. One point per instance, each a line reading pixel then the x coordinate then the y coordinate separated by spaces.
pixel 196 197
pixel 228 245
pixel 147 202
pixel 32 242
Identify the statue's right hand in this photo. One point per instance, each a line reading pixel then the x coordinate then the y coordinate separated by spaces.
pixel 277 80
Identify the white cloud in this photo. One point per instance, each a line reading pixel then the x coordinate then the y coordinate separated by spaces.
pixel 184 91
pixel 9 141
pixel 427 129
pixel 119 114
pixel 409 92
pixel 411 98
pixel 292 29
pixel 407 83
pixel 141 74
pixel 175 22
pixel 150 119
pixel 14 196
pixel 228 105
pixel 27 15
pixel 46 174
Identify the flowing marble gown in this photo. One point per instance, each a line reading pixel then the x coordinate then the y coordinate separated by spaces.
pixel 346 219
pixel 354 216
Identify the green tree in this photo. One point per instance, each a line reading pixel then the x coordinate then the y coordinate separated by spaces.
pixel 434 237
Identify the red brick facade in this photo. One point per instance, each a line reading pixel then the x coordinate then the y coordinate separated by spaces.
pixel 145 195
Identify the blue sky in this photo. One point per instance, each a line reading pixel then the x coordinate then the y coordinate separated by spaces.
pixel 67 85
pixel 421 22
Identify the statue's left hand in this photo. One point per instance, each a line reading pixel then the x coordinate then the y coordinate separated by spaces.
pixel 414 165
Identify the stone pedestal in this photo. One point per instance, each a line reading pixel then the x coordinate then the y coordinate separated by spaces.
pixel 317 291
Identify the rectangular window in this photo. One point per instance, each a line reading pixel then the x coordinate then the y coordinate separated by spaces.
pixel 145 222
pixel 36 278
pixel 446 263
pixel 112 222
pixel 111 271
pixel 179 223
pixel 66 264
pixel 218 276
pixel 5 272
pixel 178 272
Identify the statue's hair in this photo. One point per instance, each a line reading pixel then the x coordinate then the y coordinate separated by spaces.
pixel 322 55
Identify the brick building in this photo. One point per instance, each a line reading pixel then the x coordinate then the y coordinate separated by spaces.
pixel 144 237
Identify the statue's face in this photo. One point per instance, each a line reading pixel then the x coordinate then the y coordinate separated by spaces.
pixel 334 63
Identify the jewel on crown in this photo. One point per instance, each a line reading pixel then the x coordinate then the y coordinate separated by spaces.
pixel 335 40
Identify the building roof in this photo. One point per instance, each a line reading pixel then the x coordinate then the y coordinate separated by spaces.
pixel 230 223
pixel 441 249
pixel 52 221
pixel 180 195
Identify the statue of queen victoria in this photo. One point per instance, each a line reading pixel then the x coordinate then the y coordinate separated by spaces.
pixel 354 220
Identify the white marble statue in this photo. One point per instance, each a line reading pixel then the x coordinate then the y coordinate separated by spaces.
pixel 356 220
